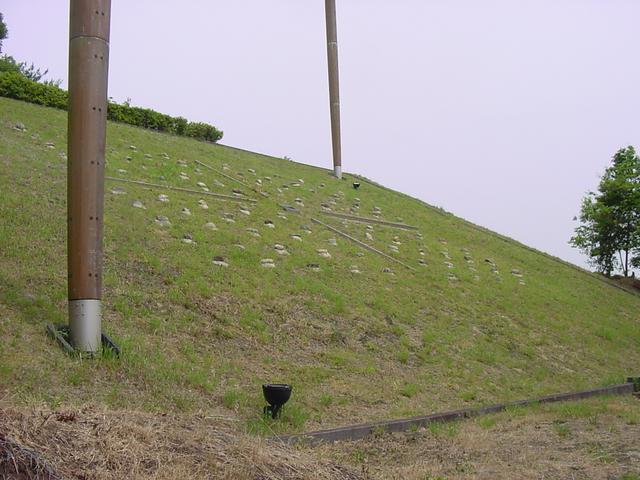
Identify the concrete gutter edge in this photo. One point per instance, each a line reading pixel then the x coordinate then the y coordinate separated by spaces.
pixel 358 432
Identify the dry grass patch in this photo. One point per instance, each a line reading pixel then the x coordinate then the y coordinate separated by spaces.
pixel 591 440
pixel 96 444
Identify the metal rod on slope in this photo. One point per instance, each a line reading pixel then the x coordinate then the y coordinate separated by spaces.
pixel 186 190
pixel 334 85
pixel 355 218
pixel 229 177
pixel 362 244
pixel 88 73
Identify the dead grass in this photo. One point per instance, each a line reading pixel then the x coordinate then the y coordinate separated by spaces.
pixel 597 439
pixel 96 444
pixel 549 443
pixel 20 463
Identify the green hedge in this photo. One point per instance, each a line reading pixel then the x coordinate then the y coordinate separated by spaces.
pixel 17 86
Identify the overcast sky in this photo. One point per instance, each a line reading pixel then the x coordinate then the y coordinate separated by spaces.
pixel 504 112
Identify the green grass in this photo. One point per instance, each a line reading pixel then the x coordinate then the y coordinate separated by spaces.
pixel 409 390
pixel 593 410
pixel 356 347
pixel 561 428
pixel 630 476
pixel 444 429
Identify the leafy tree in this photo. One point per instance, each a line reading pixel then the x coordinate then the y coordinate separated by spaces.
pixel 609 231
pixel 9 64
pixel 4 32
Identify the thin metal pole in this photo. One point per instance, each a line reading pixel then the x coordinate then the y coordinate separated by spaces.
pixel 334 85
pixel 88 72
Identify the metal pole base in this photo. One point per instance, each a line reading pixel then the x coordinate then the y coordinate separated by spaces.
pixel 337 172
pixel 61 334
pixel 85 320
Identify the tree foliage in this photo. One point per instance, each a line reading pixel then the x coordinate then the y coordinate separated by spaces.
pixel 609 231
pixel 9 64
pixel 4 32
pixel 14 84
pixel 22 81
pixel 33 73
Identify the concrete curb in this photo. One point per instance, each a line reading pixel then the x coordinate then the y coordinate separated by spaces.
pixel 357 432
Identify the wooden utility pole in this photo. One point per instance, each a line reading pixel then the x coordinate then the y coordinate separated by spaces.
pixel 88 73
pixel 334 85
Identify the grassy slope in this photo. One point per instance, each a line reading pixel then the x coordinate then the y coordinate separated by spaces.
pixel 356 347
